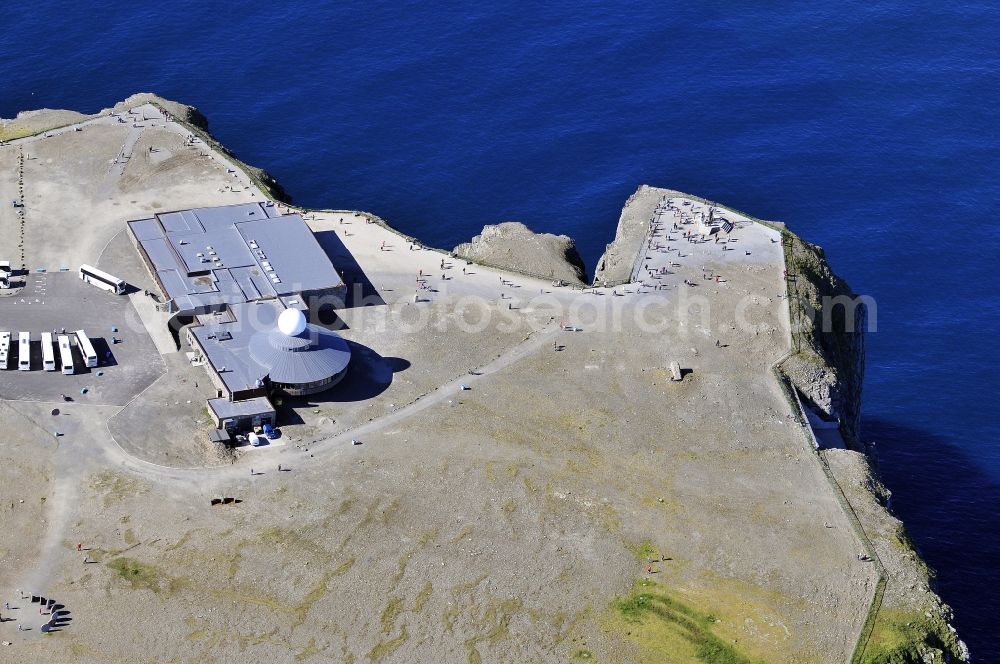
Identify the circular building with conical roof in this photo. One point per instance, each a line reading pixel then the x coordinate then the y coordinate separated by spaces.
pixel 300 358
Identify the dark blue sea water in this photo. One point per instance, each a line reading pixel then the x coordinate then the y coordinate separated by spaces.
pixel 872 128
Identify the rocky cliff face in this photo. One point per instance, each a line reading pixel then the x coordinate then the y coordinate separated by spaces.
pixel 828 323
pixel 616 265
pixel 515 247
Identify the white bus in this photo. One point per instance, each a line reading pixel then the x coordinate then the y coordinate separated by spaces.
pixel 48 353
pixel 24 351
pixel 86 349
pixel 101 279
pixel 4 350
pixel 65 355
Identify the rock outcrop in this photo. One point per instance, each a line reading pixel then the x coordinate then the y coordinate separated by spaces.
pixel 198 123
pixel 36 122
pixel 616 265
pixel 183 112
pixel 515 247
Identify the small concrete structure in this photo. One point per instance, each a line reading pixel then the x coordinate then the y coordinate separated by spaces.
pixel 240 416
pixel 675 371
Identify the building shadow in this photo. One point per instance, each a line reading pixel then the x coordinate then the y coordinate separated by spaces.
pixel 949 506
pixel 368 376
pixel 323 312
pixel 360 291
pixel 177 323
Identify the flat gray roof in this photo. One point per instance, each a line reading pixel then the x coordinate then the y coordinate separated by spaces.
pixel 226 340
pixel 287 246
pixel 233 254
pixel 225 409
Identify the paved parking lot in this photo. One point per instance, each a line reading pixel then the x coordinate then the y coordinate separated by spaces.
pixel 55 301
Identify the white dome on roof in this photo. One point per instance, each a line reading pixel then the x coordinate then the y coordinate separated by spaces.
pixel 292 322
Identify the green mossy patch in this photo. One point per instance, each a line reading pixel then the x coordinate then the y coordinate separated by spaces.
pixel 903 637
pixel 644 550
pixel 385 648
pixel 666 628
pixel 138 574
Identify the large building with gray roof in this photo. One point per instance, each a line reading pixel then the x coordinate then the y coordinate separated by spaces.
pixel 242 275
pixel 207 258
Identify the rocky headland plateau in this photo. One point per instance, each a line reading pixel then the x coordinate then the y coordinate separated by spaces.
pixel 664 463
